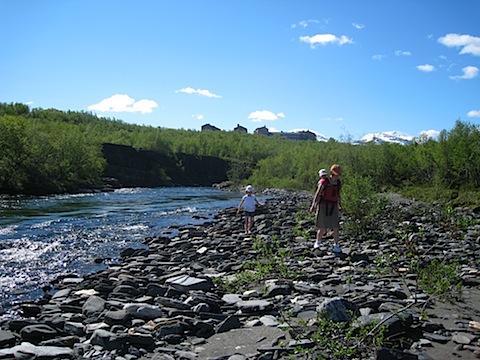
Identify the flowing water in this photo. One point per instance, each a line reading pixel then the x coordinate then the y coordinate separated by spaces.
pixel 44 237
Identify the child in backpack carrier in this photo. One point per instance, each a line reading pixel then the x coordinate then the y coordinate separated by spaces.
pixel 327 204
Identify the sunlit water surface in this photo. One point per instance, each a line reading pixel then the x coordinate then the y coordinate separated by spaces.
pixel 44 237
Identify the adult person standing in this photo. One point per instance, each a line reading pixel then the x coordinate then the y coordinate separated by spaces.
pixel 327 204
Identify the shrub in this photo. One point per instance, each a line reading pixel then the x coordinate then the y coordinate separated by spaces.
pixel 362 203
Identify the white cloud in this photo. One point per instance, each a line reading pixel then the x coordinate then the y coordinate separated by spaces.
pixel 198 116
pixel 430 134
pixel 358 26
pixel 474 113
pixel 306 23
pixel 201 92
pixel 469 72
pixel 264 115
pixel 324 39
pixel 426 68
pixel 378 57
pixel 124 103
pixel 469 44
pixel 402 53
pixel 333 119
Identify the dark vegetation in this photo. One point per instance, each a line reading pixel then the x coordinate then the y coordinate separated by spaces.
pixel 52 151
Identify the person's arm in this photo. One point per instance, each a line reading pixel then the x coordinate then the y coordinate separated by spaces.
pixel 240 205
pixel 339 200
pixel 316 198
pixel 258 203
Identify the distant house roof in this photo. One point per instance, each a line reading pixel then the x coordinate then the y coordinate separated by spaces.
pixel 299 135
pixel 262 131
pixel 240 128
pixel 209 127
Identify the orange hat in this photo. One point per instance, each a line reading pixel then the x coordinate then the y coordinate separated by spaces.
pixel 336 170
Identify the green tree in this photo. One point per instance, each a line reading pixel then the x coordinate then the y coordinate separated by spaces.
pixel 15 152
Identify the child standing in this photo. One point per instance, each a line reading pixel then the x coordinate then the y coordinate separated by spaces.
pixel 248 202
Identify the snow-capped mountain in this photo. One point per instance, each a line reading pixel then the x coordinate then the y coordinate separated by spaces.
pixel 393 137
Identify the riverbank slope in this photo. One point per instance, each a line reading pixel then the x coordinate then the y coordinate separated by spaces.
pixel 182 297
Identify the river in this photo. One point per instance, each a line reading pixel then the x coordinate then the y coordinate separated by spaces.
pixel 44 237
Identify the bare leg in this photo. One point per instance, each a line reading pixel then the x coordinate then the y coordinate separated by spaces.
pixel 320 233
pixel 250 223
pixel 336 233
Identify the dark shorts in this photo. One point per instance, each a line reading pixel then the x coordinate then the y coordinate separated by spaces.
pixel 249 213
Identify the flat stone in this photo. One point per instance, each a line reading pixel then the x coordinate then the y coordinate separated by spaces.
pixel 187 283
pixel 254 305
pixel 241 341
pixel 27 350
pixel 7 338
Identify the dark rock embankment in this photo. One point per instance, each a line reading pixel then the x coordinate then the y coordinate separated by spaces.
pixel 165 302
pixel 128 167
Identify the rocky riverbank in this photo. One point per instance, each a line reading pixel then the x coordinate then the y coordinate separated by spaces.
pixel 183 297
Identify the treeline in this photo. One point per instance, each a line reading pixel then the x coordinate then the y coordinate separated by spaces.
pixel 51 151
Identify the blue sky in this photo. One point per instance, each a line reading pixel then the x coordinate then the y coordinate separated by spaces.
pixel 342 69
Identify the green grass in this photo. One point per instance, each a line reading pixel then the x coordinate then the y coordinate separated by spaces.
pixel 271 262
pixel 455 198
pixel 441 279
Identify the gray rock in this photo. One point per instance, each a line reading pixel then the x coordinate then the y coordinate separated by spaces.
pixel 27 350
pixel 93 306
pixel 7 338
pixel 395 323
pixel 37 333
pixel 232 322
pixel 187 283
pixel 143 311
pixel 105 339
pixel 74 328
pixel 254 306
pixel 118 317
pixel 338 310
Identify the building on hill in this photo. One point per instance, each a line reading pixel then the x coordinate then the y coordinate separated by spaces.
pixel 263 131
pixel 240 128
pixel 299 135
pixel 209 127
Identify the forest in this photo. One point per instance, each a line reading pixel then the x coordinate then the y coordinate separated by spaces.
pixel 51 151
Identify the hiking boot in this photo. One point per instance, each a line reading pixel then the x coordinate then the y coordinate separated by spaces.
pixel 337 249
pixel 316 245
